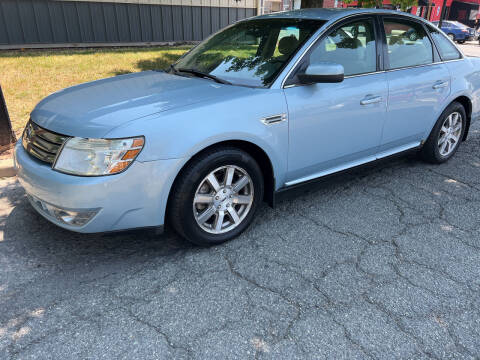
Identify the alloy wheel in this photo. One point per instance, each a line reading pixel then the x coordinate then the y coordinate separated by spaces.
pixel 223 199
pixel 450 133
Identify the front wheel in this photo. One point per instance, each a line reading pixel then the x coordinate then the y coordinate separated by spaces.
pixel 216 196
pixel 451 36
pixel 446 135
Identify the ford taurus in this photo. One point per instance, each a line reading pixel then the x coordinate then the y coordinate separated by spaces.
pixel 264 104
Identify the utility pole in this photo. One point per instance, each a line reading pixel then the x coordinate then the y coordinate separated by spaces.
pixel 7 137
pixel 429 9
pixel 442 14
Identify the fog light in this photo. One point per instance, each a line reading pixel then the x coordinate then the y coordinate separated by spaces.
pixel 66 216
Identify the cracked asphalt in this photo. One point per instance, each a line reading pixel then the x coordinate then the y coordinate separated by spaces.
pixel 383 263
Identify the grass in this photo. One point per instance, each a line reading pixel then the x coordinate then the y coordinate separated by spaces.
pixel 28 76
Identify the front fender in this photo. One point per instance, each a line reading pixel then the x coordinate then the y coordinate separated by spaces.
pixel 182 133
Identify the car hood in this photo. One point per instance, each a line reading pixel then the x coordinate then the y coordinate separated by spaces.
pixel 93 109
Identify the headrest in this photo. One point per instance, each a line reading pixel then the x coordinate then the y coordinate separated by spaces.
pixel 287 44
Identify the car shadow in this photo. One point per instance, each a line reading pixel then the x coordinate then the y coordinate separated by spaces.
pixel 341 179
pixel 159 63
pixel 28 233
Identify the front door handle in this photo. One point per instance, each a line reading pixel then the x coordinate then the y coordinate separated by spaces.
pixel 440 84
pixel 370 99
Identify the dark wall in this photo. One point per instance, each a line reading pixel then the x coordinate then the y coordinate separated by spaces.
pixel 62 22
pixel 461 12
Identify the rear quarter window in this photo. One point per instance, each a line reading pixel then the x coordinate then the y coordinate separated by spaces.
pixel 447 50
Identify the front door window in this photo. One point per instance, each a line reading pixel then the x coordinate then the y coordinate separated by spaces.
pixel 351 45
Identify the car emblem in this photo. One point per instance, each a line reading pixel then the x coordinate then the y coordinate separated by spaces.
pixel 29 132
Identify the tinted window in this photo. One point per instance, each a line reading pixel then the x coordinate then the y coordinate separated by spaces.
pixel 407 44
pixel 250 52
pixel 352 45
pixel 447 50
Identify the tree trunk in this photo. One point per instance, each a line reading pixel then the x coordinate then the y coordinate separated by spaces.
pixel 311 4
pixel 7 136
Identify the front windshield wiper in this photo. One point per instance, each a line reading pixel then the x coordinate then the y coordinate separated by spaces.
pixel 173 68
pixel 201 74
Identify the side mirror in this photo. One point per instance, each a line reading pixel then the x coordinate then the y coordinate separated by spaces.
pixel 324 72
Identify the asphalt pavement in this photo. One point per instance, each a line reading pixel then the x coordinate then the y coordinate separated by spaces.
pixel 470 48
pixel 383 263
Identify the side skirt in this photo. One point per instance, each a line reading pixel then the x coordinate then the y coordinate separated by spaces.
pixel 303 186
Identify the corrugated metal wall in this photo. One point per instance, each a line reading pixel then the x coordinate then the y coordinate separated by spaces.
pixel 35 22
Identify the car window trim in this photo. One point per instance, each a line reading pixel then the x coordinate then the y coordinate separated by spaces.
pixel 383 44
pixel 380 43
pixel 435 55
pixel 334 26
pixel 386 71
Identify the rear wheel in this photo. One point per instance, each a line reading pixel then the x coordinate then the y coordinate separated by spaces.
pixel 446 135
pixel 216 196
pixel 461 41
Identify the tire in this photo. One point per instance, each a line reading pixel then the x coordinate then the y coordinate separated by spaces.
pixel 435 152
pixel 461 41
pixel 193 194
pixel 451 36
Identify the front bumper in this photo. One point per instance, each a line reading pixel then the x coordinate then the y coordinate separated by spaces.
pixel 133 199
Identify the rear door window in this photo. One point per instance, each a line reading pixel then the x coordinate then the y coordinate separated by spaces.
pixel 407 44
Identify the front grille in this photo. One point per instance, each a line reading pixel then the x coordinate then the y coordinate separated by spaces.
pixel 42 143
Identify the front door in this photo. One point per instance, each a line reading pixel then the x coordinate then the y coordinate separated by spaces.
pixel 333 126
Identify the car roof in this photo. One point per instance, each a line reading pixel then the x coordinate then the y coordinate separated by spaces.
pixel 328 14
pixel 458 23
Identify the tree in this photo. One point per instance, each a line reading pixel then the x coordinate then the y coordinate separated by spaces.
pixel 366 3
pixel 404 4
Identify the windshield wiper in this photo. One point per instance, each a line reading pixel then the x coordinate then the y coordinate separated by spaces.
pixel 201 74
pixel 173 68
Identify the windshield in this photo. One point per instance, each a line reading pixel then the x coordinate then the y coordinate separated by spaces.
pixel 250 52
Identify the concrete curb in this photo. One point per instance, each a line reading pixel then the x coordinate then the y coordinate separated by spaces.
pixel 6 168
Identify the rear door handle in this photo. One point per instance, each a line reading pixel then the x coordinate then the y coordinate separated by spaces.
pixel 440 84
pixel 370 99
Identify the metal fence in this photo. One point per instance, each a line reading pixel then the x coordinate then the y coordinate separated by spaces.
pixel 47 23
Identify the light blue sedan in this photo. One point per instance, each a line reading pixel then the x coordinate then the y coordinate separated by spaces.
pixel 257 108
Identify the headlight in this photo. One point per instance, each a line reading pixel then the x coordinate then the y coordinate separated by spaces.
pixel 93 157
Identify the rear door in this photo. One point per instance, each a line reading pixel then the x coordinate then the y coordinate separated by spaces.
pixel 418 84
